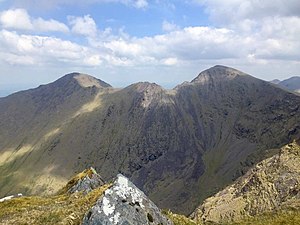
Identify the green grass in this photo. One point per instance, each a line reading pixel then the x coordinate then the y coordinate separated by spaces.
pixel 179 219
pixel 59 209
pixel 291 217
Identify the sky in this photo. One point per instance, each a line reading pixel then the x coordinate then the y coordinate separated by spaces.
pixel 162 41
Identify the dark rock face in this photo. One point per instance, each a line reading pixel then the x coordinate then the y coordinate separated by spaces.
pixel 124 203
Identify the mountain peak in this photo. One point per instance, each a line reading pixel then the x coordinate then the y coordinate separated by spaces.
pixel 145 86
pixel 84 80
pixel 217 72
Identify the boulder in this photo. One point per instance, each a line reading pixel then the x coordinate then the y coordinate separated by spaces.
pixel 123 203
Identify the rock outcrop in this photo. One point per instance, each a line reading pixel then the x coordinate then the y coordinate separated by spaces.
pixel 124 203
pixel 85 181
pixel 273 184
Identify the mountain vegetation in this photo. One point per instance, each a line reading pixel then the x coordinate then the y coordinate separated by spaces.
pixel 267 194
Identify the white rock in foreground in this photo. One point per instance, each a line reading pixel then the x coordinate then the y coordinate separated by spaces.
pixel 124 203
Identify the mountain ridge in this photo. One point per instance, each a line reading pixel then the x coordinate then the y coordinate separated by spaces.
pixel 202 134
pixel 291 84
pixel 271 185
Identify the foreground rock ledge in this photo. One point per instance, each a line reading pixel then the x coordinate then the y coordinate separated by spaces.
pixel 124 203
pixel 272 184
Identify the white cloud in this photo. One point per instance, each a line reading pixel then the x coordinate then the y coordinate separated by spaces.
pixel 170 61
pixel 83 25
pixel 167 26
pixel 231 11
pixel 247 41
pixel 40 50
pixel 49 25
pixel 16 19
pixel 20 20
pixel 140 4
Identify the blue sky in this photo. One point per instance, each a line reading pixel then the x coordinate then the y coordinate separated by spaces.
pixel 162 41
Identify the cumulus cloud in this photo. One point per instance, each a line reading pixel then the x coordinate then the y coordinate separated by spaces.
pixel 83 25
pixel 49 25
pixel 19 19
pixel 235 10
pixel 247 40
pixel 40 50
pixel 167 26
pixel 16 19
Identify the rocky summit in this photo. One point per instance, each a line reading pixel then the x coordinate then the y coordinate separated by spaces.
pixel 271 185
pixel 124 203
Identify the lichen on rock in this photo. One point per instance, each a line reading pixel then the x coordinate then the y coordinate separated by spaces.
pixel 124 203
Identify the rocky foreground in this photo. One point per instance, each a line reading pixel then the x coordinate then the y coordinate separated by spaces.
pixel 269 193
pixel 270 186
pixel 86 200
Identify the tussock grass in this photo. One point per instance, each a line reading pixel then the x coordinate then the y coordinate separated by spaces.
pixel 291 217
pixel 59 209
pixel 74 180
pixel 179 219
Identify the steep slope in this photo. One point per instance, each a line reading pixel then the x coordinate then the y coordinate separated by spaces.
pixel 178 146
pixel 31 124
pixel 271 185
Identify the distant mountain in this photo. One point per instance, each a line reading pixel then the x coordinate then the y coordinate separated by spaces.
pixel 179 146
pixel 291 84
pixel 275 81
pixel 271 185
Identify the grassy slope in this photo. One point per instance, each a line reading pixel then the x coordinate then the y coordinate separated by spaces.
pixel 290 217
pixel 59 209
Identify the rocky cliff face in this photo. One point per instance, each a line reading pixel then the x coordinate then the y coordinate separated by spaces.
pixel 178 146
pixel 271 185
pixel 124 203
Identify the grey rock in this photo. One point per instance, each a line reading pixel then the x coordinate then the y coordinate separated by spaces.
pixel 88 182
pixel 124 203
